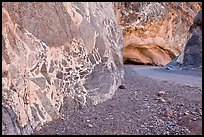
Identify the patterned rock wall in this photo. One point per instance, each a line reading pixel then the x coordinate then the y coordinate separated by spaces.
pixel 56 50
pixel 155 32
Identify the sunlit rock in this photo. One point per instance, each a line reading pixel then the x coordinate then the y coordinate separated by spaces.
pixel 155 32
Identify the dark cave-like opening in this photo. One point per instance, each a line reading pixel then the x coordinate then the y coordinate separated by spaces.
pixel 129 62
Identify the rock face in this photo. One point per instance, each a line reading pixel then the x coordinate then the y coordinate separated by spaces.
pixel 155 32
pixel 191 56
pixel 52 51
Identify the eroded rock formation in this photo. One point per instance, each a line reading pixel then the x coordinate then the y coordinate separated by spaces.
pixel 155 32
pixel 52 51
pixel 191 56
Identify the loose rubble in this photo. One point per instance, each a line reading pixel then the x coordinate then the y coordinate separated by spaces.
pixel 136 111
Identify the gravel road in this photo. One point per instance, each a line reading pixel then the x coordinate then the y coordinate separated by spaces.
pixel 184 77
pixel 151 104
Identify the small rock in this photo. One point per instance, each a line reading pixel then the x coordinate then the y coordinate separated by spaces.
pixel 194 119
pixel 161 93
pixel 179 118
pixel 170 101
pixel 142 126
pixel 88 121
pixel 122 87
pixel 167 132
pixel 38 128
pixel 90 125
pixel 186 113
pixel 160 121
pixel 168 113
pixel 162 100
pixel 151 126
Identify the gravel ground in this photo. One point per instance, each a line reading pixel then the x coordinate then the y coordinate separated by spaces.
pixel 145 107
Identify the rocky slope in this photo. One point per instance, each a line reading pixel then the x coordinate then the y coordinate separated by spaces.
pixel 155 32
pixel 53 51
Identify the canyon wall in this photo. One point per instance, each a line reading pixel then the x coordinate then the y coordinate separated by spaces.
pixel 52 51
pixel 191 56
pixel 155 32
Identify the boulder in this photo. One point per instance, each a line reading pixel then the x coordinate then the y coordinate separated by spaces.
pixel 56 50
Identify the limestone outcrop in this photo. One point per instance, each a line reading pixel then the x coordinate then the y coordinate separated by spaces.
pixel 155 32
pixel 55 50
pixel 191 56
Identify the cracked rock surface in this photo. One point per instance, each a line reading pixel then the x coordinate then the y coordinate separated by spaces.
pixel 56 51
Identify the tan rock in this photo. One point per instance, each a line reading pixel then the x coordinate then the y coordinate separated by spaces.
pixel 162 100
pixel 155 32
pixel 161 93
pixel 168 113
pixel 88 120
pixel 90 125
pixel 170 101
pixel 186 113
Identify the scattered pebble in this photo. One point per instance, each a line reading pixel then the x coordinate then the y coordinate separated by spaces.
pixel 168 113
pixel 142 126
pixel 151 126
pixel 38 128
pixel 161 93
pixel 167 132
pixel 162 100
pixel 90 125
pixel 88 121
pixel 170 101
pixel 144 117
pixel 194 119
pixel 186 113
pixel 160 121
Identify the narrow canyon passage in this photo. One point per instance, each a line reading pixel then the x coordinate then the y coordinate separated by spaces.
pixel 63 68
pixel 188 77
pixel 137 109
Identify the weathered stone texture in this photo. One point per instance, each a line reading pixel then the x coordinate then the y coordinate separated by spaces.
pixel 155 32
pixel 191 56
pixel 56 50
